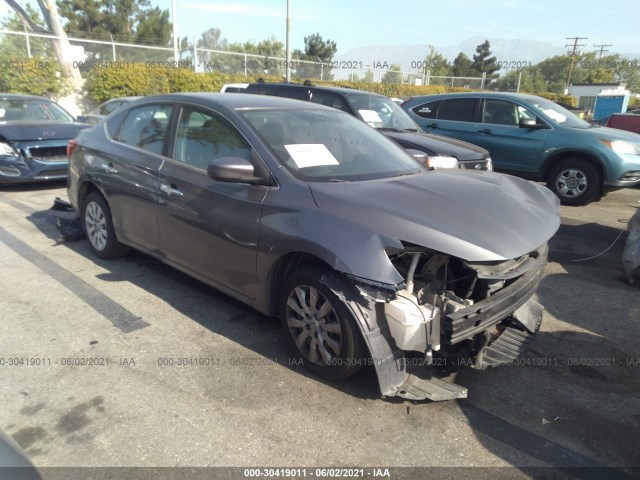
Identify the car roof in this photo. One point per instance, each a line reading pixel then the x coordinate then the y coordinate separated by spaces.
pixel 511 95
pixel 237 100
pixel 122 98
pixel 23 96
pixel 342 90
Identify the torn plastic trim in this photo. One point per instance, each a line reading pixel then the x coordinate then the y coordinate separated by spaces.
pixel 388 360
pixel 466 323
pixel 505 270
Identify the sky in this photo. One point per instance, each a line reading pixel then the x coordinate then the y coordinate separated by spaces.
pixel 357 23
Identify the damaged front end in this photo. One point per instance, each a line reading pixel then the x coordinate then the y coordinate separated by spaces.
pixel 448 313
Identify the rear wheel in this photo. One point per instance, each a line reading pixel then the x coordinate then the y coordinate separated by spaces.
pixel 97 223
pixel 574 181
pixel 319 328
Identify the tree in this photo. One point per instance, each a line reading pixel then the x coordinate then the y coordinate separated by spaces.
pixel 15 46
pixel 436 64
pixel 51 18
pixel 316 51
pixel 393 75
pixel 483 62
pixel 531 81
pixel 368 76
pixel 462 66
pixel 123 20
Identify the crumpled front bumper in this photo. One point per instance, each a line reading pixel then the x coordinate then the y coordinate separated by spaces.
pixel 513 303
pixel 24 170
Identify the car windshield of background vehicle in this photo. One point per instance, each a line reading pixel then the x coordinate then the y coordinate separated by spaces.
pixel 559 114
pixel 31 109
pixel 381 112
pixel 321 146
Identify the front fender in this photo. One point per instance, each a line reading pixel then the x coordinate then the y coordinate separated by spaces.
pixel 345 247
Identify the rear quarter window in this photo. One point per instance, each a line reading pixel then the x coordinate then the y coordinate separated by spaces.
pixel 427 110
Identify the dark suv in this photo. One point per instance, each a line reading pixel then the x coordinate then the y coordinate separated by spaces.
pixel 388 118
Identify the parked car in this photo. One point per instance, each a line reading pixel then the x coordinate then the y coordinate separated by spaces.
pixel 625 121
pixel 34 132
pixel 388 118
pixel 535 138
pixel 304 212
pixel 104 109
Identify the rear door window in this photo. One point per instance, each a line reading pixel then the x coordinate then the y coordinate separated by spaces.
pixel 146 128
pixel 457 109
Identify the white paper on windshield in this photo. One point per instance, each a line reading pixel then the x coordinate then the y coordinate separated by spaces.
pixel 370 116
pixel 557 116
pixel 311 155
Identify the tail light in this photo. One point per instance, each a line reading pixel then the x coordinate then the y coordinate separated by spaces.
pixel 71 146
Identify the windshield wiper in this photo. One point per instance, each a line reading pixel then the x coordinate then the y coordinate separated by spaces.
pixel 409 129
pixel 388 129
pixel 403 174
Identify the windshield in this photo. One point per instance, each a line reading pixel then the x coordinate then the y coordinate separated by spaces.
pixel 559 114
pixel 31 109
pixel 381 112
pixel 321 146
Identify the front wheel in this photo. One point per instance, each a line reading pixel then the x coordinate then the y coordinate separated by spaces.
pixel 574 181
pixel 319 328
pixel 97 223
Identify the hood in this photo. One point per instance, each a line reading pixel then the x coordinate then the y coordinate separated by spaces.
pixel 607 133
pixel 476 216
pixel 438 145
pixel 22 130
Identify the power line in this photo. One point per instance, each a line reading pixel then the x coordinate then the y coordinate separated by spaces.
pixel 573 55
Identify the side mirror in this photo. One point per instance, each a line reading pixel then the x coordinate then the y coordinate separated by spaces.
pixel 234 170
pixel 81 118
pixel 531 124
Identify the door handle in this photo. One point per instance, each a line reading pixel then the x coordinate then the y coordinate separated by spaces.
pixel 486 131
pixel 108 168
pixel 171 190
pixel 433 125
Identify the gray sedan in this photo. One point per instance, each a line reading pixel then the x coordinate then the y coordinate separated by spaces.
pixel 304 212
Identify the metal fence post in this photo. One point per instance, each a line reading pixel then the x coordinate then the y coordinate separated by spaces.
pixel 195 56
pixel 113 48
pixel 26 35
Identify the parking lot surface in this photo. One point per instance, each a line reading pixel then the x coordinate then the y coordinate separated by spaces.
pixel 131 363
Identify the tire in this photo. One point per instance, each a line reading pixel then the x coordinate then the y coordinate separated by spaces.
pixel 310 310
pixel 574 181
pixel 97 224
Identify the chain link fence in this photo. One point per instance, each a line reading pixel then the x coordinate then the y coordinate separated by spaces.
pixel 85 54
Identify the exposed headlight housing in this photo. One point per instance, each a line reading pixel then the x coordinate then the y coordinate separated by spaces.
pixel 7 150
pixel 622 147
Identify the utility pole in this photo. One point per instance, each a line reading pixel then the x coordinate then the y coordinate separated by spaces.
pixel 573 55
pixel 602 50
pixel 288 44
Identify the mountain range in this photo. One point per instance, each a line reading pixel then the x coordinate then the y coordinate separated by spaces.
pixel 527 52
